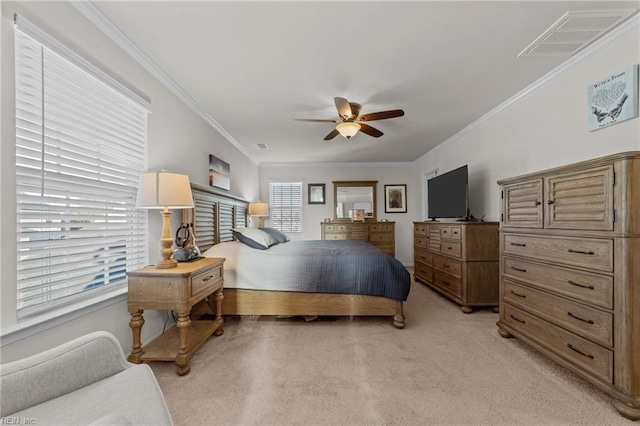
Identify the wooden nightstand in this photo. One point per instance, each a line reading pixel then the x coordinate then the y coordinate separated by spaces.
pixel 176 289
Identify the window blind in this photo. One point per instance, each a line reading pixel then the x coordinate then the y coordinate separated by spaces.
pixel 80 147
pixel 285 206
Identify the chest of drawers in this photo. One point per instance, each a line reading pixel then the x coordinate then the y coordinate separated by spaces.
pixel 459 260
pixel 570 270
pixel 380 234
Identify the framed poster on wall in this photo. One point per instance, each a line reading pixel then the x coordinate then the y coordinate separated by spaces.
pixel 613 99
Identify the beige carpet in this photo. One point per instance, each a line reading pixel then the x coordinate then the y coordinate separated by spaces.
pixel 444 368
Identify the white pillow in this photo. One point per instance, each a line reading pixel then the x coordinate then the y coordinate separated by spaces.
pixel 254 237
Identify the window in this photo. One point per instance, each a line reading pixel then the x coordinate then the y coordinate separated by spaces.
pixel 285 206
pixel 81 143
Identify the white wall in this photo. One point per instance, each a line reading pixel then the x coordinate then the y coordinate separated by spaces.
pixel 545 129
pixel 313 214
pixel 179 140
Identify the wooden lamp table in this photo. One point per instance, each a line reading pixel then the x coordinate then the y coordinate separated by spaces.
pixel 176 289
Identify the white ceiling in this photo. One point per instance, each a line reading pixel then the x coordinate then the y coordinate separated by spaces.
pixel 256 66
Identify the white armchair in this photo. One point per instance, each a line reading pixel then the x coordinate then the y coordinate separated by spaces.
pixel 85 381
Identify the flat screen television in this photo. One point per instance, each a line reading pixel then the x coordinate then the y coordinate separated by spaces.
pixel 448 195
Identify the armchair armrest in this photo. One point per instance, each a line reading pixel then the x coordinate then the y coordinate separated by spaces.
pixel 59 371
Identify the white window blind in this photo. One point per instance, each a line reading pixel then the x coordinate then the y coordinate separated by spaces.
pixel 80 148
pixel 285 206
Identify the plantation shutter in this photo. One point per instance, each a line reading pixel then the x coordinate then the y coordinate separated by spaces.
pixel 285 206
pixel 81 141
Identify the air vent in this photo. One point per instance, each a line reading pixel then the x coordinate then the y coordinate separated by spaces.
pixel 262 146
pixel 574 31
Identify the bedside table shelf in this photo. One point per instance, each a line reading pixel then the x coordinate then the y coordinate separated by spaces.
pixel 178 290
pixel 165 346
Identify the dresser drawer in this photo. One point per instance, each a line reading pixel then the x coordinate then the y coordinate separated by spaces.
pixel 423 257
pixel 447 265
pixel 420 229
pixel 389 248
pixel 588 322
pixel 456 232
pixel 336 227
pixel 423 271
pixel 336 236
pixel 582 252
pixel 588 287
pixel 580 351
pixel 206 281
pixel 420 241
pixel 381 236
pixel 451 248
pixel 384 227
pixel 448 283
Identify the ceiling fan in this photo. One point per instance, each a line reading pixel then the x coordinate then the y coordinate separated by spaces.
pixel 350 121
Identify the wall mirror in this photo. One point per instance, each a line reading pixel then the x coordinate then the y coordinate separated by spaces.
pixel 351 195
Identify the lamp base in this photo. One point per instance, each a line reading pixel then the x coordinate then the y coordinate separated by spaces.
pixel 166 264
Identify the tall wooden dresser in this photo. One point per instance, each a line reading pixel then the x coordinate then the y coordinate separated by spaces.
pixel 380 234
pixel 459 260
pixel 570 270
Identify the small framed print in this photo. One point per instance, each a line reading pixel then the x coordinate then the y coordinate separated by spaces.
pixel 614 98
pixel 316 193
pixel 395 198
pixel 358 215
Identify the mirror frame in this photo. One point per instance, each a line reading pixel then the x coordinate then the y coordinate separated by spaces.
pixel 354 183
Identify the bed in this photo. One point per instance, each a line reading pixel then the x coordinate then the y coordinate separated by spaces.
pixel 279 281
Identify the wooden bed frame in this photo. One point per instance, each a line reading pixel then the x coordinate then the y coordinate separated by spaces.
pixel 213 218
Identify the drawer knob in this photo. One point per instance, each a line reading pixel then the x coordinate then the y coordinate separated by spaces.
pixel 570 346
pixel 518 244
pixel 550 202
pixel 445 265
pixel 445 282
pixel 518 319
pixel 518 269
pixel 518 294
pixel 537 203
pixel 208 278
pixel 590 287
pixel 591 253
pixel 579 319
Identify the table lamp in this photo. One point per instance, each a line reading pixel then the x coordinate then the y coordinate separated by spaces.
pixel 260 210
pixel 163 191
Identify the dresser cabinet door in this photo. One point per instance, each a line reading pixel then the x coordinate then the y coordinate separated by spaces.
pixel 523 204
pixel 582 200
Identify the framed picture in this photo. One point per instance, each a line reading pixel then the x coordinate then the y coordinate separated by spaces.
pixel 358 215
pixel 395 198
pixel 316 193
pixel 219 173
pixel 613 99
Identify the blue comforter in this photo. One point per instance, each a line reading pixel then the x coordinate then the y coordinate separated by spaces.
pixel 315 266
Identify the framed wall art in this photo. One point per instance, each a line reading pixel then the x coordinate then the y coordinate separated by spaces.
pixel 613 99
pixel 219 173
pixel 395 198
pixel 316 193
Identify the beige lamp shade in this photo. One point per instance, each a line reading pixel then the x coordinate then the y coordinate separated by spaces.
pixel 158 190
pixel 258 209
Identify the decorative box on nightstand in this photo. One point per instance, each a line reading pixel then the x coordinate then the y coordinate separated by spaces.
pixel 176 289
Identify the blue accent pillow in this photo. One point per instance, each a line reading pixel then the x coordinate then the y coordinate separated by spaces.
pixel 254 238
pixel 279 236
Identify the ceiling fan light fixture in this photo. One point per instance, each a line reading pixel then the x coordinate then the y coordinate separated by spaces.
pixel 348 129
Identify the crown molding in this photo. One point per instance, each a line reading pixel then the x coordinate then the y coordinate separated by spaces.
pixel 624 29
pixel 97 18
pixel 333 165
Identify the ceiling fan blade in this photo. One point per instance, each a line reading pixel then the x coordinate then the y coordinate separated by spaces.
pixel 332 135
pixel 316 120
pixel 382 115
pixel 344 109
pixel 365 128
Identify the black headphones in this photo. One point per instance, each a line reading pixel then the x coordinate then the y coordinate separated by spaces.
pixel 182 235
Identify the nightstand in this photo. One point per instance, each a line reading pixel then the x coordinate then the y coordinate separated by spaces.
pixel 176 289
